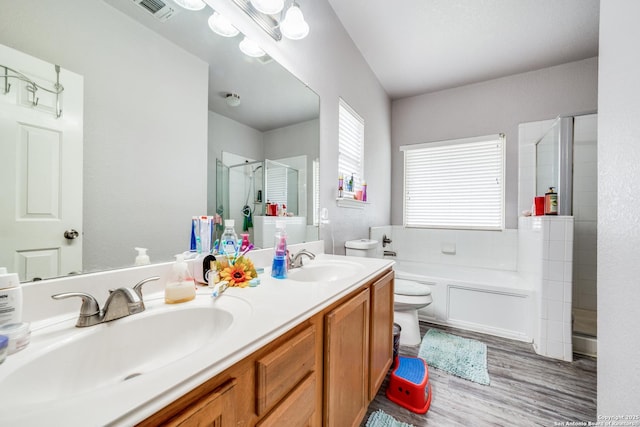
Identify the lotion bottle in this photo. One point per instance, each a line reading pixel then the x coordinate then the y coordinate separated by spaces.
pixel 180 285
pixel 10 298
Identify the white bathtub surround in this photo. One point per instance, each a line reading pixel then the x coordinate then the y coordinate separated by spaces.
pixel 515 283
pixel 469 248
pixel 491 301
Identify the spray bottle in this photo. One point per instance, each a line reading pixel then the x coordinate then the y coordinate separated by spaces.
pixel 279 266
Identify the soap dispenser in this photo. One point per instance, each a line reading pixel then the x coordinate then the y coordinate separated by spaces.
pixel 142 258
pixel 180 285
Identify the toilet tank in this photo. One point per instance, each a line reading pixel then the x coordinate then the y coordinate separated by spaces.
pixel 362 247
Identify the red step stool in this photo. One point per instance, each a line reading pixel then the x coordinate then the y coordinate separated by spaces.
pixel 409 384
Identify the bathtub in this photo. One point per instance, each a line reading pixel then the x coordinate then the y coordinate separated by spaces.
pixel 491 301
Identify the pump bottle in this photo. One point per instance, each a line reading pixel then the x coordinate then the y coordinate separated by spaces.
pixel 180 285
pixel 279 266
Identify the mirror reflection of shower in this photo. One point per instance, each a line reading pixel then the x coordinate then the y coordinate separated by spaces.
pixel 245 186
pixel 245 191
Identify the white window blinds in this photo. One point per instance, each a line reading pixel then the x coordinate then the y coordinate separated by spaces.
pixel 350 147
pixel 455 184
pixel 277 185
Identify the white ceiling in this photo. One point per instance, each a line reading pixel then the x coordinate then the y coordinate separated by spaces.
pixel 420 46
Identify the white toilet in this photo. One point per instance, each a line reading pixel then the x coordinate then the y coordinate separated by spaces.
pixel 408 298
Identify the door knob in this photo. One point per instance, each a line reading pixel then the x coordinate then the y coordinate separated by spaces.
pixel 71 234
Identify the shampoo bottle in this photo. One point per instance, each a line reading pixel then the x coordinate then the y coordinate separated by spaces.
pixel 180 285
pixel 10 298
pixel 551 202
pixel 279 266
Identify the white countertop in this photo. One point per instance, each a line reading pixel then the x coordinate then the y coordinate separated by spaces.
pixel 276 306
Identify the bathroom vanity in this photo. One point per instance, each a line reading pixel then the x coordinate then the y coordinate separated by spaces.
pixel 328 367
pixel 312 349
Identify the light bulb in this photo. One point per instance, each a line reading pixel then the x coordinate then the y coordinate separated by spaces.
pixel 251 48
pixel 221 26
pixel 270 7
pixel 293 25
pixel 191 4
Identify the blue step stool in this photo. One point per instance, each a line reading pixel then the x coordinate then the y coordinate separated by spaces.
pixel 409 384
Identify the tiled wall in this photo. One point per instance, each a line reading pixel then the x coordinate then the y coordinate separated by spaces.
pixel 471 248
pixel 585 197
pixel 546 258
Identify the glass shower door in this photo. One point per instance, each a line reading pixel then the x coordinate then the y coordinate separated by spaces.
pixel 554 163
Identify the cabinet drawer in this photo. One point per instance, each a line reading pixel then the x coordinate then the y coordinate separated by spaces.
pixel 280 371
pixel 296 409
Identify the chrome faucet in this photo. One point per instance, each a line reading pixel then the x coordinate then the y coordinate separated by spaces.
pixel 121 302
pixel 296 260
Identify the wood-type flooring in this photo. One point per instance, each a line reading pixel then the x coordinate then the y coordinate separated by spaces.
pixel 526 389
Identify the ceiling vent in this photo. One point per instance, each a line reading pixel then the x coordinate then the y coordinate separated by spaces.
pixel 158 8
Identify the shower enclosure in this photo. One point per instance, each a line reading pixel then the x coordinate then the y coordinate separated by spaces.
pixel 566 158
pixel 243 190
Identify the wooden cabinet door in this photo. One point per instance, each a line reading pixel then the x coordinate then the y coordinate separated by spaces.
pixel 216 410
pixel 346 363
pixel 381 333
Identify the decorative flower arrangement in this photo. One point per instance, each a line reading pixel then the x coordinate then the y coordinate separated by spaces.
pixel 238 272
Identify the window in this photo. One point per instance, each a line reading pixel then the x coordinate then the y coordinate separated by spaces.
pixel 455 184
pixel 350 147
pixel 276 183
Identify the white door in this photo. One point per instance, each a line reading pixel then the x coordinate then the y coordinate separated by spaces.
pixel 40 168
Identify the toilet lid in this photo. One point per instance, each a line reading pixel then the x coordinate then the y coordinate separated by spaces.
pixel 409 287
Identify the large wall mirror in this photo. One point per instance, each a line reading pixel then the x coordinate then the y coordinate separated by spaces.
pixel 153 121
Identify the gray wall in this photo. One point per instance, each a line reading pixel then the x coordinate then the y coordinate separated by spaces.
pixel 494 106
pixel 618 206
pixel 328 61
pixel 134 140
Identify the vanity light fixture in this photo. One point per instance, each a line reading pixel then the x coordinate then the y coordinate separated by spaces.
pixel 293 26
pixel 268 7
pixel 233 99
pixel 221 25
pixel 288 21
pixel 251 48
pixel 191 4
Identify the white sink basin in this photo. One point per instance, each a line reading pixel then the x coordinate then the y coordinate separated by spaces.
pixel 324 271
pixel 86 359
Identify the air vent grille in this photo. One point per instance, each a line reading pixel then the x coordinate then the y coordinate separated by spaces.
pixel 158 8
pixel 152 6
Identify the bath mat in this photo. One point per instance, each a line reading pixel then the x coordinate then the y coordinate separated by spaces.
pixel 462 357
pixel 382 419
